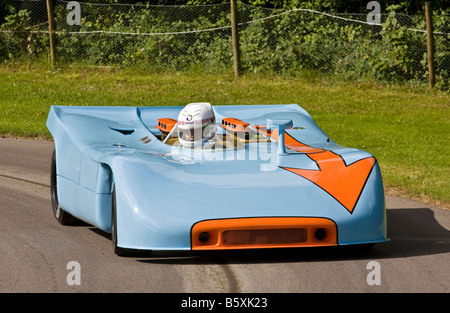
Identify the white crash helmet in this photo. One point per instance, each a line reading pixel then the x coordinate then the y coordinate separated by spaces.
pixel 196 124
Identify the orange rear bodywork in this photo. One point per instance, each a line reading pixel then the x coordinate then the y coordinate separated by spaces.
pixel 234 124
pixel 263 232
pixel 166 124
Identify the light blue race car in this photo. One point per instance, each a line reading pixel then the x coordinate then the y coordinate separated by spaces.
pixel 263 176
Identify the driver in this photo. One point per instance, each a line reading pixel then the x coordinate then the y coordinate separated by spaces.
pixel 196 124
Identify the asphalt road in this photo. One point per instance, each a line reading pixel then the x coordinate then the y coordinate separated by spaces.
pixel 36 251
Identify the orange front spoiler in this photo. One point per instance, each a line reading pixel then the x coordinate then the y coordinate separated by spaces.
pixel 263 232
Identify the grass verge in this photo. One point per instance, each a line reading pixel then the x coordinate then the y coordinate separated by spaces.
pixel 405 126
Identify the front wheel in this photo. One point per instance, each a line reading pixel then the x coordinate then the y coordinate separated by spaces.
pixel 61 216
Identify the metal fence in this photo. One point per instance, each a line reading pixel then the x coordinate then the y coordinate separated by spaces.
pixel 183 38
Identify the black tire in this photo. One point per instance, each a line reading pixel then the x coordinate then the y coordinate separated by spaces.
pixel 61 216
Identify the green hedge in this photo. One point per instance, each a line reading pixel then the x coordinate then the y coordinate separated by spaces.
pixel 281 43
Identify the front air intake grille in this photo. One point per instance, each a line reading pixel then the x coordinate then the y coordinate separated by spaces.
pixel 264 236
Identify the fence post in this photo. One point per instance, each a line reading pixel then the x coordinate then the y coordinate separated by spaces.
pixel 430 43
pixel 235 39
pixel 51 31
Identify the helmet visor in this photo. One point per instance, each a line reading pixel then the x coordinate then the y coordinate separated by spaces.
pixel 195 134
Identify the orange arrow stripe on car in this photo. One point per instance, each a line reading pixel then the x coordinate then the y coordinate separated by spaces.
pixel 343 182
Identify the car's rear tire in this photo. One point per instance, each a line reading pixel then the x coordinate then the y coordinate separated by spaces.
pixel 61 216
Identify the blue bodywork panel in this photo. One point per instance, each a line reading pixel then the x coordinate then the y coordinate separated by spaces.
pixel 163 190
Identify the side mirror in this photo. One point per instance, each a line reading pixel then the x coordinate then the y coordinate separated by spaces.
pixel 281 126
